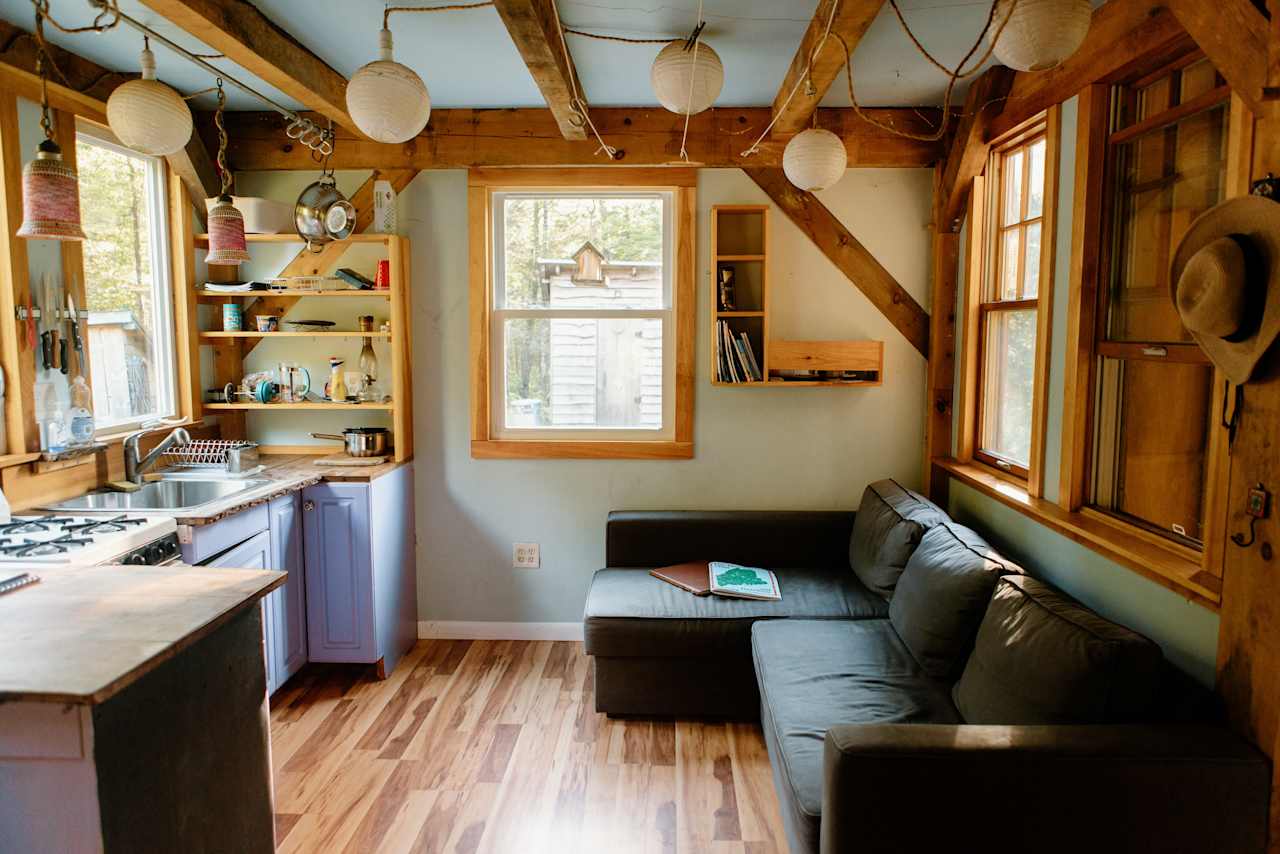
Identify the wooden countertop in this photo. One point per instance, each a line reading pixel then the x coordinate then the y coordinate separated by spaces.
pixel 84 633
pixel 287 473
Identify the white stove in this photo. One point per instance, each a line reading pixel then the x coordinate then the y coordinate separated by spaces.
pixel 61 539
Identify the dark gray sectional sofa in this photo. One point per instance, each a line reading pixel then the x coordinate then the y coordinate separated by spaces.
pixel 918 691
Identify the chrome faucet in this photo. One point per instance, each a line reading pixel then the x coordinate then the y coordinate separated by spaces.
pixel 134 466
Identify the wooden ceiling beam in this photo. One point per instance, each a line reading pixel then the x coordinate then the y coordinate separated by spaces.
pixel 1123 35
pixel 848 254
pixel 1233 34
pixel 534 29
pixel 852 18
pixel 968 155
pixel 645 136
pixel 257 44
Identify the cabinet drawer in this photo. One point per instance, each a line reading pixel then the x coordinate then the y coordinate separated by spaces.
pixel 208 540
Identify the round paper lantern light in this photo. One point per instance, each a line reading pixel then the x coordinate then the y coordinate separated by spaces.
pixel 814 159
pixel 687 81
pixel 387 100
pixel 147 115
pixel 1040 34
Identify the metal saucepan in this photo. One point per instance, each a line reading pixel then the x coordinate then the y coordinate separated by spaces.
pixel 361 441
pixel 322 214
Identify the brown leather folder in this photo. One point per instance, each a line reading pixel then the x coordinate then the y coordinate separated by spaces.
pixel 694 576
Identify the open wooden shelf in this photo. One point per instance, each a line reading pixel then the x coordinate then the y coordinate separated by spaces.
pixel 383 293
pixel 740 239
pixel 385 336
pixel 202 240
pixel 308 405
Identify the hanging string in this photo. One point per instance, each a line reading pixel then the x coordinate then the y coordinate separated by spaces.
pixel 693 77
pixel 452 7
pixel 622 39
pixel 826 31
pixel 223 172
pixel 103 21
pixel 577 103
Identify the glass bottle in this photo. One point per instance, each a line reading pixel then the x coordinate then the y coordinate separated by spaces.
pixel 368 363
pixel 80 418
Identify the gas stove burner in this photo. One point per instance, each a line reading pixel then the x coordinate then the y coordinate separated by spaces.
pixel 36 548
pixel 101 526
pixel 44 524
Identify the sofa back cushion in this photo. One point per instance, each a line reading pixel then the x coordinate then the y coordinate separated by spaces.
pixel 1043 658
pixel 942 595
pixel 886 530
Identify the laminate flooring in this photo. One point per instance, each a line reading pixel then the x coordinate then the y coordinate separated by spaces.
pixel 495 746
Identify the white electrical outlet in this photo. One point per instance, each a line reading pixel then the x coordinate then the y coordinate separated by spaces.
pixel 525 556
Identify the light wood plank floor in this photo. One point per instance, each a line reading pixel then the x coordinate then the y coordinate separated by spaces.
pixel 495 746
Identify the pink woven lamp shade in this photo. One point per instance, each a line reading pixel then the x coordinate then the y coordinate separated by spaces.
pixel 226 234
pixel 50 197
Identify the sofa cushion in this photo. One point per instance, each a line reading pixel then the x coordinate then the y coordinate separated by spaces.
pixel 889 524
pixel 816 674
pixel 1043 658
pixel 942 595
pixel 631 613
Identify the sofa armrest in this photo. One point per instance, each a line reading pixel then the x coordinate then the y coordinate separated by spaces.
pixel 650 538
pixel 919 787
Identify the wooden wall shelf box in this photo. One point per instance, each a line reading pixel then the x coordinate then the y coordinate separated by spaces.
pixel 383 293
pixel 382 336
pixel 740 240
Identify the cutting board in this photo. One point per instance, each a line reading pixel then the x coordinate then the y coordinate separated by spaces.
pixel 344 460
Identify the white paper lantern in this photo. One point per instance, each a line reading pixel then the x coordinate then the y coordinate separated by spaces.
pixel 814 159
pixel 387 100
pixel 672 71
pixel 1040 33
pixel 147 115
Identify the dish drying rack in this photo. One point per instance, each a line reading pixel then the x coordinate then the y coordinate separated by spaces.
pixel 236 457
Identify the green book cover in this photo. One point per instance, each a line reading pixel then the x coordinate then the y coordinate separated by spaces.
pixel 743 582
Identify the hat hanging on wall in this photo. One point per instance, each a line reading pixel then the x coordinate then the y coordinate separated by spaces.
pixel 1226 283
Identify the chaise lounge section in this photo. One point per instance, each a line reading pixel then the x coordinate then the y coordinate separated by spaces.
pixel 918 691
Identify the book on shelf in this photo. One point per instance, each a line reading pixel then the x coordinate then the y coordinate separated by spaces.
pixel 735 357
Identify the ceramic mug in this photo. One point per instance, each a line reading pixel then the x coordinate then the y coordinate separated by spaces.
pixel 268 323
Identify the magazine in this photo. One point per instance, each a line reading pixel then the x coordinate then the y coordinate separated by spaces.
pixel 743 582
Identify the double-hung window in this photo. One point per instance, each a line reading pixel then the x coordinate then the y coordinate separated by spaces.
pixel 1006 315
pixel 582 313
pixel 128 335
pixel 1152 386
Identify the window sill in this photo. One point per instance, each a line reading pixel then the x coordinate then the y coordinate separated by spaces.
pixel 1166 566
pixel 524 449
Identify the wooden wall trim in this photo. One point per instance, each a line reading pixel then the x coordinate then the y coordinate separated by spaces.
pixel 186 337
pixel 1044 312
pixel 940 389
pixel 1086 234
pixel 848 254
pixel 975 260
pixel 16 358
pixel 968 155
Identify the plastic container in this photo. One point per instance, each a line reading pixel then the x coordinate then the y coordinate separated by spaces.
pixel 80 416
pixel 261 216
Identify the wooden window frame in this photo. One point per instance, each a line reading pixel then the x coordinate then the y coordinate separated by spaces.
pixel 482 185
pixel 1190 571
pixel 982 267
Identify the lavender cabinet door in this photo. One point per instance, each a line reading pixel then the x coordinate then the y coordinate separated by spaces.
pixel 288 645
pixel 255 553
pixel 339 578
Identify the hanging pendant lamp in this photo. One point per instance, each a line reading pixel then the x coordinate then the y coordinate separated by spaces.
pixel 50 188
pixel 814 159
pixel 387 100
pixel 147 115
pixel 227 245
pixel 1040 34
pixel 687 80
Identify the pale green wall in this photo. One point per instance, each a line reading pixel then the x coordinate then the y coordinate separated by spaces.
pixel 1187 632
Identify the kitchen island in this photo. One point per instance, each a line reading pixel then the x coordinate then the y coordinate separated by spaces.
pixel 133 711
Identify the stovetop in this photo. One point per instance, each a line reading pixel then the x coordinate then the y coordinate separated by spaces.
pixel 87 539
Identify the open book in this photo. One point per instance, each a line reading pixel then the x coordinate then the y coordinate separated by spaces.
pixel 743 582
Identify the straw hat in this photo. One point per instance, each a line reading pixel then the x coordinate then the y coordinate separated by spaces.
pixel 1226 275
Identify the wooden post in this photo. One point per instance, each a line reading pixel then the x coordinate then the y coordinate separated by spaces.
pixel 17 358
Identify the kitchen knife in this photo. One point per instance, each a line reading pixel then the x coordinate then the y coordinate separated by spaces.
pixel 62 355
pixel 75 324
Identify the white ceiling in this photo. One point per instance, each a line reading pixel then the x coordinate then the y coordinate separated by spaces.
pixel 467 58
